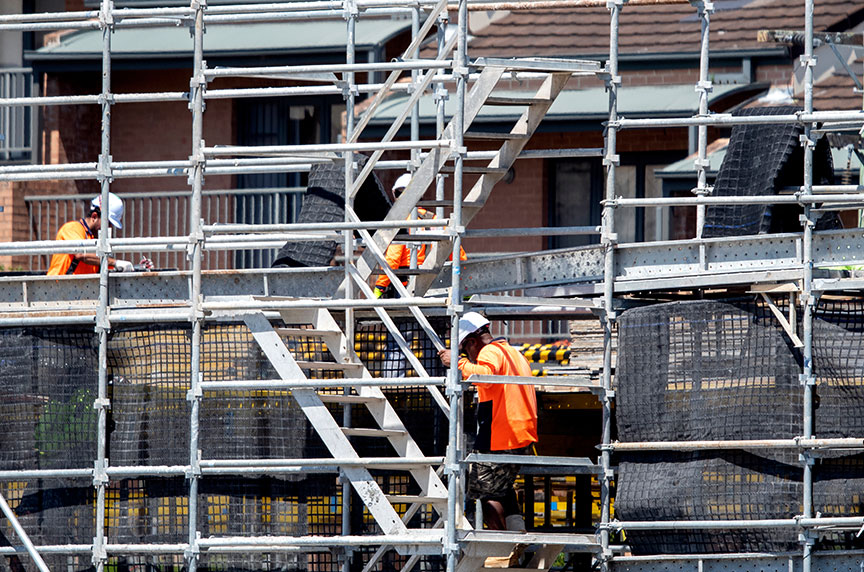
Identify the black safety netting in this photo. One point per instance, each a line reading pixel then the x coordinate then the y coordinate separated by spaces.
pixel 762 159
pixel 723 370
pixel 49 422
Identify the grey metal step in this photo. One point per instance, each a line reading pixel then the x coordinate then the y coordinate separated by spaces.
pixel 446 203
pixel 348 399
pixel 414 499
pixel 549 65
pixel 312 333
pixel 329 365
pixel 513 100
pixel 363 432
pixel 476 170
pixel 495 136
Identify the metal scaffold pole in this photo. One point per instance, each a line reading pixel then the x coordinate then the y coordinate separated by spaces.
pixel 609 240
pixel 198 85
pixel 703 88
pixel 351 14
pixel 103 325
pixel 455 452
pixel 807 537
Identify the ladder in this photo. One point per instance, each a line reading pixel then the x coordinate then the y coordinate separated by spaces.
pixel 483 93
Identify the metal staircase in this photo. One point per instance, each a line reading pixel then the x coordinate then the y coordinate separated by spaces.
pixel 484 92
pixel 324 327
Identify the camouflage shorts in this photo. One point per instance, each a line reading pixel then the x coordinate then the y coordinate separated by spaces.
pixel 493 480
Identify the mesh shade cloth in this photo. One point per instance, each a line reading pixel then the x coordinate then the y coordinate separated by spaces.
pixel 761 160
pixel 50 383
pixel 720 370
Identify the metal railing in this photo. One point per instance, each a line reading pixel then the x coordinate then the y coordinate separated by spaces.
pixel 16 123
pixel 166 213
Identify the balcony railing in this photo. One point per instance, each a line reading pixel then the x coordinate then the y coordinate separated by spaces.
pixel 16 122
pixel 167 214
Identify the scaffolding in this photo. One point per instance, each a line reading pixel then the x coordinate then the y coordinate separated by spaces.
pixel 196 297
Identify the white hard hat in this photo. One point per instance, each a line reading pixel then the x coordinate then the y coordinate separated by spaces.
pixel 469 323
pixel 402 182
pixel 115 208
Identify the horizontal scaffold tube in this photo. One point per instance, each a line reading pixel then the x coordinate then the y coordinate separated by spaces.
pixel 229 150
pixel 333 68
pixel 738 200
pixel 853 521
pixel 427 536
pixel 281 384
pixel 728 119
pixel 799 442
pixel 250 228
pixel 334 304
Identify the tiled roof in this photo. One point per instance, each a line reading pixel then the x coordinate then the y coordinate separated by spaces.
pixel 652 28
pixel 837 93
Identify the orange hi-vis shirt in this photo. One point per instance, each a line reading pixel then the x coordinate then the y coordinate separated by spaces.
pixel 513 407
pixel 61 263
pixel 399 255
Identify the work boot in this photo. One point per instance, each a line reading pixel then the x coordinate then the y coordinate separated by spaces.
pixel 515 523
pixel 512 560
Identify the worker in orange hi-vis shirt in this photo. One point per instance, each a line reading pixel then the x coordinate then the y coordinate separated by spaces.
pixel 506 415
pixel 399 255
pixel 84 229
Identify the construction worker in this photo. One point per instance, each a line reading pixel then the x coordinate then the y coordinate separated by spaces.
pixel 507 419
pixel 88 228
pixel 399 255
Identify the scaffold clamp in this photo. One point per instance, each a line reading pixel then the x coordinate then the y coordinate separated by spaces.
pixel 100 475
pixel 809 61
pixel 611 160
pixel 193 550
pixel 705 86
pixel 100 555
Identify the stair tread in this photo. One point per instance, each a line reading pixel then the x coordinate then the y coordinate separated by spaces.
pixel 515 100
pixel 312 333
pixel 412 499
pixel 476 170
pixel 446 203
pixel 348 399
pixel 364 432
pixel 495 135
pixel 328 365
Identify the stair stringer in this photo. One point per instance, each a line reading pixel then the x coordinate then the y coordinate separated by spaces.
pixel 382 411
pixel 326 427
pixel 506 156
pixel 429 168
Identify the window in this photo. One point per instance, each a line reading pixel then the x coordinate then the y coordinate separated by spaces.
pixel 273 198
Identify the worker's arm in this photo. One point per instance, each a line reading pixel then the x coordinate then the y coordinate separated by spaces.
pixel 394 260
pixel 93 259
pixel 488 363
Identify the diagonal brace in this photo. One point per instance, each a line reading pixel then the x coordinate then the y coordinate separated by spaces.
pixel 787 327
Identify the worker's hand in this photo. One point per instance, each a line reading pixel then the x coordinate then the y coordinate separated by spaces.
pixel 378 292
pixel 146 263
pixel 123 266
pixel 445 357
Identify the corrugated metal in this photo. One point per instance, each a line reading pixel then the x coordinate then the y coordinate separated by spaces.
pixel 306 36
pixel 582 104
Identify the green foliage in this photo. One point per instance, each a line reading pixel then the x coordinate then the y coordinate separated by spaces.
pixel 64 424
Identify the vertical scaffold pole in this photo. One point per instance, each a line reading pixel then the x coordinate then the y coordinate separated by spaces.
pixel 440 98
pixel 415 136
pixel 351 13
pixel 807 378
pixel 454 386
pixel 704 87
pixel 609 240
pixel 197 86
pixel 103 325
